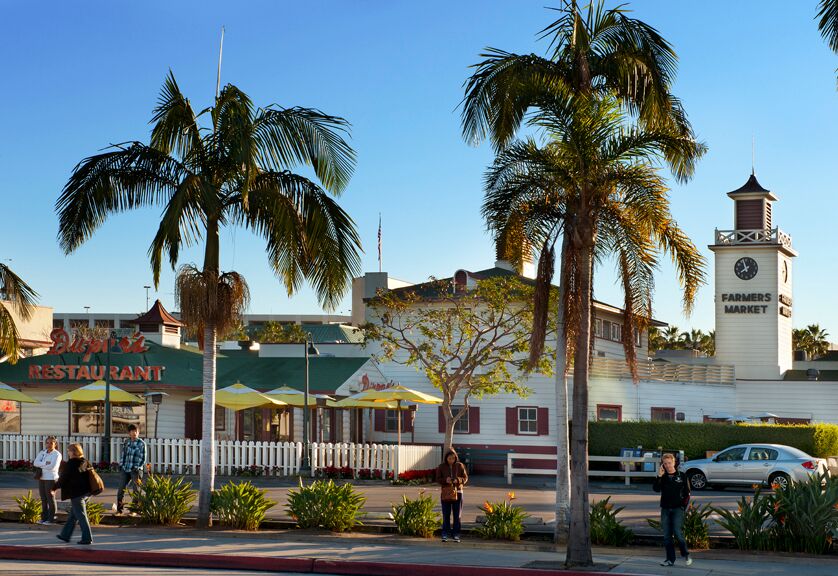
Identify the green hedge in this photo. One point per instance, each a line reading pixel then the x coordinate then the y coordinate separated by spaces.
pixel 606 438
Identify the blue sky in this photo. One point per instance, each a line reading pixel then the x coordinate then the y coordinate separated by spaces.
pixel 80 76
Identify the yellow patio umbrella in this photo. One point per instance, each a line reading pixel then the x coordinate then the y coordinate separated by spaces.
pixel 397 394
pixel 240 397
pixel 13 395
pixel 95 392
pixel 294 397
pixel 352 403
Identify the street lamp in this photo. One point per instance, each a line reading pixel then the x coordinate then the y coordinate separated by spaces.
pixel 156 400
pixel 308 346
pixel 146 296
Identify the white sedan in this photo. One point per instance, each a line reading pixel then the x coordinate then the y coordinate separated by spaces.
pixel 748 464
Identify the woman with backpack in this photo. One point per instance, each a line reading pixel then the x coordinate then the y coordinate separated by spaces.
pixel 74 482
pixel 451 476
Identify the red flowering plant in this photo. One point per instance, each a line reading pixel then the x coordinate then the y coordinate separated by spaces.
pixel 18 465
pixel 347 472
pixel 364 474
pixel 415 477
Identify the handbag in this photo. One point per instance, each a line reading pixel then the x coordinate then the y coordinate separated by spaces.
pixel 448 493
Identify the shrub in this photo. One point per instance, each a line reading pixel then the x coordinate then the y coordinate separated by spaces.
pixel 323 504
pixel 504 520
pixel 416 517
pixel 95 513
pixel 805 515
pixel 749 522
pixel 606 528
pixel 162 499
pixel 18 465
pixel 252 470
pixel 606 438
pixel 696 532
pixel 416 477
pixel 241 506
pixel 30 508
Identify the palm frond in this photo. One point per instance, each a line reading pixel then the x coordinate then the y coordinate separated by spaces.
pixel 287 137
pixel 209 298
pixel 17 293
pixel 176 128
pixel 9 336
pixel 828 23
pixel 309 237
pixel 113 182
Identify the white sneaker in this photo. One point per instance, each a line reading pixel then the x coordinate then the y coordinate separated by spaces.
pixel 667 563
pixel 688 561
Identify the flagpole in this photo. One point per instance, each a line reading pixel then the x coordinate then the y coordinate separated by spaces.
pixel 218 78
pixel 379 241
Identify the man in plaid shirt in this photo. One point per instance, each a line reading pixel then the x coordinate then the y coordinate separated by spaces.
pixel 131 465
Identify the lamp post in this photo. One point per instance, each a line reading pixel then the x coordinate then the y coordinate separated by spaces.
pixel 106 448
pixel 308 346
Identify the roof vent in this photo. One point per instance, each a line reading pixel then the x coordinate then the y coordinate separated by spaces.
pixel 813 374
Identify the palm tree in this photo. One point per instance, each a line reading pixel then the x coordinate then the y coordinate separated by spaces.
pixel 694 339
pixel 15 297
pixel 629 211
pixel 672 338
pixel 235 172
pixel 605 54
pixel 813 340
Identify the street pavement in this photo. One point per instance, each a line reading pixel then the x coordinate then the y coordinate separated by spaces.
pixel 535 496
pixel 360 553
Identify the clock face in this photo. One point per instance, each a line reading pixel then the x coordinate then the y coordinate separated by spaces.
pixel 785 271
pixel 745 268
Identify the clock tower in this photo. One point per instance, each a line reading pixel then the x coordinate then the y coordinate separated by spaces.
pixel 753 288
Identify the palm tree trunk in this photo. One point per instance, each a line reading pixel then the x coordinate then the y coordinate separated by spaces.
pixel 207 479
pixel 562 448
pixel 579 542
pixel 211 266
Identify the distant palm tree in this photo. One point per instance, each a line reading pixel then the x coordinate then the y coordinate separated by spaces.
pixel 813 340
pixel 693 339
pixel 672 338
pixel 605 54
pixel 236 172
pixel 15 296
pixel 708 345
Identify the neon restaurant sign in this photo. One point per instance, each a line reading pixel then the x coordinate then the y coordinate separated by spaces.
pixel 86 348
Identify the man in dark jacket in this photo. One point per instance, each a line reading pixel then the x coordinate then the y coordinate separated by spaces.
pixel 675 496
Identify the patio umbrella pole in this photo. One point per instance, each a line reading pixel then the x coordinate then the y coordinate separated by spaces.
pixel 398 437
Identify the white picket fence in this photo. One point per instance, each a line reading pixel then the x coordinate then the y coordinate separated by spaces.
pixel 179 456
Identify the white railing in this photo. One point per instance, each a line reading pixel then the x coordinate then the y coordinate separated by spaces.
pixel 720 374
pixel 766 236
pixel 626 470
pixel 180 456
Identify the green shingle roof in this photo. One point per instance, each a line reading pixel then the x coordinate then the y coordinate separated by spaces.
pixel 184 368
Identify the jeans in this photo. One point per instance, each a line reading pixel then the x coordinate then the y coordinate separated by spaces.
pixel 48 503
pixel 78 513
pixel 134 478
pixel 672 524
pixel 453 508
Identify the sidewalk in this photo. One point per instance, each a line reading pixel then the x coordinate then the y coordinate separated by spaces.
pixel 358 553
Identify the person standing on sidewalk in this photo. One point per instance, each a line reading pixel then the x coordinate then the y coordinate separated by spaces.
pixel 74 482
pixel 46 464
pixel 131 465
pixel 675 496
pixel 451 476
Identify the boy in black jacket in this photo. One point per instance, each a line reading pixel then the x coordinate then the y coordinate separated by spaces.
pixel 675 496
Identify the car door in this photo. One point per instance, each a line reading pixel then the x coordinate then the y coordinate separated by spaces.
pixel 726 466
pixel 758 464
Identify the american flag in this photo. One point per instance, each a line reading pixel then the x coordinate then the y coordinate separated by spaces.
pixel 379 241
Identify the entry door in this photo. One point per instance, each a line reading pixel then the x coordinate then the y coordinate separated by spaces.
pixel 192 421
pixel 727 466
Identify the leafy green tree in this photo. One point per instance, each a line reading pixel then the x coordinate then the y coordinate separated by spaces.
pixel 236 171
pixel 604 55
pixel 17 299
pixel 276 333
pixel 468 344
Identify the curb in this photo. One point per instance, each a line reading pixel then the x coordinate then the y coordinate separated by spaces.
pixel 262 564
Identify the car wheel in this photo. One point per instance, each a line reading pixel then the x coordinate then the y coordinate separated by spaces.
pixel 780 480
pixel 697 479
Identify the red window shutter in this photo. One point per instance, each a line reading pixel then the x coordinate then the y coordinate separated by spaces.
pixel 407 421
pixel 441 419
pixel 379 420
pixel 543 422
pixel 473 420
pixel 512 420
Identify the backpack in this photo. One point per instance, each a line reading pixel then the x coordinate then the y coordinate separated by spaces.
pixel 96 484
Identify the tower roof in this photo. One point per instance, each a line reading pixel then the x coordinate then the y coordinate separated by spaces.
pixel 751 186
pixel 156 315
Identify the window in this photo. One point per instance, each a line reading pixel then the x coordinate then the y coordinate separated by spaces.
pixel 220 419
pixel 103 323
pixel 609 412
pixel 663 414
pixel 57 323
pixel 608 330
pixel 762 454
pixel 79 323
pixel 9 417
pixel 732 455
pixel 88 418
pixel 391 421
pixel 461 425
pixel 527 420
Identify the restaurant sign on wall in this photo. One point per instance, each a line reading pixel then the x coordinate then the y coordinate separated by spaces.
pixel 86 348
